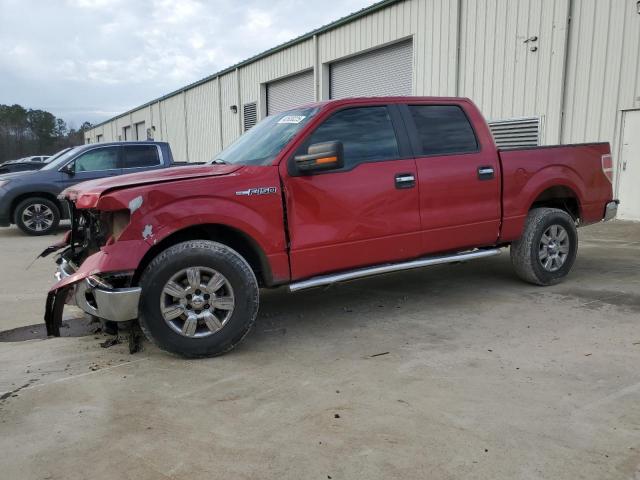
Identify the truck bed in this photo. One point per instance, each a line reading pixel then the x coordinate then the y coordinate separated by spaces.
pixel 576 169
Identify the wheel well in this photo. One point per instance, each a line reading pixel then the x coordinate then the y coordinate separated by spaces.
pixel 231 237
pixel 559 197
pixel 47 195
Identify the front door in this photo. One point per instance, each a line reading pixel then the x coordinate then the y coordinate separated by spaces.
pixel 95 163
pixel 629 167
pixel 363 213
pixel 459 179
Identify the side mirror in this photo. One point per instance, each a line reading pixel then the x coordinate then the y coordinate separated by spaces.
pixel 320 157
pixel 69 169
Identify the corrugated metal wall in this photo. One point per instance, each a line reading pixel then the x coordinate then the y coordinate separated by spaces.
pixel 504 70
pixel 231 128
pixel 603 70
pixel 203 119
pixel 173 121
pixel 578 80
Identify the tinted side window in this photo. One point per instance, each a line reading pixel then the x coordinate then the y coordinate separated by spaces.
pixel 136 156
pixel 98 159
pixel 443 129
pixel 366 134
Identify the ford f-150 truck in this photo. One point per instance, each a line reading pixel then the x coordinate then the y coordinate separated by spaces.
pixel 320 194
pixel 29 198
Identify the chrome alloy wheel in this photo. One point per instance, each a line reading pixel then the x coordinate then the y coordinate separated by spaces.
pixel 37 217
pixel 197 302
pixel 554 248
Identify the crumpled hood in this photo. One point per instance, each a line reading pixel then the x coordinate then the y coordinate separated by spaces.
pixel 86 194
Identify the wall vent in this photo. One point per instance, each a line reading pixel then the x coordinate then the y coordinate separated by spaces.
pixel 250 115
pixel 516 132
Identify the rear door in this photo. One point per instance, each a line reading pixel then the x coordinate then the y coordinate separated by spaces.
pixel 458 178
pixel 363 213
pixel 139 158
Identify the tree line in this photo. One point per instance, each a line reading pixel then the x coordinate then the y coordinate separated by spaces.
pixel 25 132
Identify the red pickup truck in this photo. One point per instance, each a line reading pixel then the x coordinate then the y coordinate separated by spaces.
pixel 320 194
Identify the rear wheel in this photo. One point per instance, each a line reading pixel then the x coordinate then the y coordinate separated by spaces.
pixel 200 298
pixel 547 249
pixel 37 216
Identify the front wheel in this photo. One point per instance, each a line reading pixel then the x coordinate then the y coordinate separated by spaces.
pixel 199 298
pixel 547 249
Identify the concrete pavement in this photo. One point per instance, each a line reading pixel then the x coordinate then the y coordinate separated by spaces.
pixel 455 371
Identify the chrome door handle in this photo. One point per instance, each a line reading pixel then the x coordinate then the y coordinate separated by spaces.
pixel 485 173
pixel 405 180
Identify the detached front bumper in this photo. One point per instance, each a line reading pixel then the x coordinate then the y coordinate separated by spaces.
pixel 96 297
pixel 90 293
pixel 611 210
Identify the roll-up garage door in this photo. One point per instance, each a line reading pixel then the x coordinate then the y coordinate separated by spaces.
pixel 381 72
pixel 290 92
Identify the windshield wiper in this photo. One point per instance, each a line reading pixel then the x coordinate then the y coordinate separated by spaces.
pixel 219 161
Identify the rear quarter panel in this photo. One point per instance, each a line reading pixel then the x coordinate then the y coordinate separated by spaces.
pixel 527 173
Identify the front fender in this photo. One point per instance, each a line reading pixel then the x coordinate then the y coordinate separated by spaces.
pixel 265 227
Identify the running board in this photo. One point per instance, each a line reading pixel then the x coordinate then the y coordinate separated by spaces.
pixel 393 267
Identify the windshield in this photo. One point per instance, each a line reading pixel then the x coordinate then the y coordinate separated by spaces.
pixel 261 144
pixel 60 158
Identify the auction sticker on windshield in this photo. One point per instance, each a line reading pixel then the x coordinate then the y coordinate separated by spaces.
pixel 291 119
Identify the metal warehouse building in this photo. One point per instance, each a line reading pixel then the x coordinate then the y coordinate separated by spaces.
pixel 543 72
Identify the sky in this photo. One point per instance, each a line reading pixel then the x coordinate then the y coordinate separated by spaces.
pixel 93 59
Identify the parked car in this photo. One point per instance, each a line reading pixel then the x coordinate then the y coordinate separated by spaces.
pixel 33 158
pixel 26 164
pixel 30 199
pixel 36 158
pixel 321 194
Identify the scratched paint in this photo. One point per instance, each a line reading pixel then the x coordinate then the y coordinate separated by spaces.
pixel 135 204
pixel 147 232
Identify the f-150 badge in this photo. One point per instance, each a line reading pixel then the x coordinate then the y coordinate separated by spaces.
pixel 258 191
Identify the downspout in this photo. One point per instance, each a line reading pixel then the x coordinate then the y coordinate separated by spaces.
pixel 458 37
pixel 220 113
pixel 563 90
pixel 316 69
pixel 239 102
pixel 162 135
pixel 186 125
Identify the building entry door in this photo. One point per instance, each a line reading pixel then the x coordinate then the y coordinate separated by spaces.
pixel 629 167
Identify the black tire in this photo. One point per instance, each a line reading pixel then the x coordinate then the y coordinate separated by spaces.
pixel 528 253
pixel 208 255
pixel 42 226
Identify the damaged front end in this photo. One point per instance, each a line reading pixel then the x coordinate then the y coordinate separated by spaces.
pixel 90 274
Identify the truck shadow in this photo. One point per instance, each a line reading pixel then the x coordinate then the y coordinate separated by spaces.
pixel 73 326
pixel 389 298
